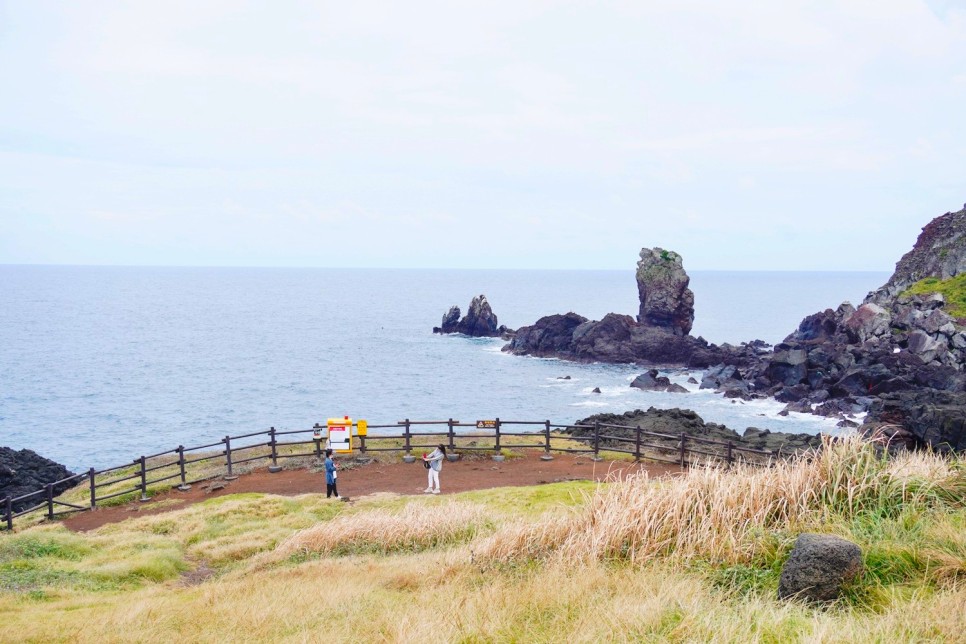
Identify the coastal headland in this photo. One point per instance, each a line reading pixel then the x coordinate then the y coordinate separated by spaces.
pixel 899 357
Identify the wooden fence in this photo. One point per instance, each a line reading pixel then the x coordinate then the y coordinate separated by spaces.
pixel 171 466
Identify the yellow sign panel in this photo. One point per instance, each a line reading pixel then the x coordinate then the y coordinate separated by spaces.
pixel 362 428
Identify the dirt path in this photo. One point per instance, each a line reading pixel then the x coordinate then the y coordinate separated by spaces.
pixel 361 480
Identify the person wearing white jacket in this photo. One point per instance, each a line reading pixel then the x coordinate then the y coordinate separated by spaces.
pixel 435 461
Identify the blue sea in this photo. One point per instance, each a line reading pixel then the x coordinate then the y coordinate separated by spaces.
pixel 99 365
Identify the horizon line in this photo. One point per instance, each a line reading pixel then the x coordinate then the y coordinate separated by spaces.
pixel 428 268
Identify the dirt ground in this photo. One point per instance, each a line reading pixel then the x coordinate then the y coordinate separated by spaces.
pixel 400 478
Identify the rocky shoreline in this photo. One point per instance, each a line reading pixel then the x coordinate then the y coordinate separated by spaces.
pixel 675 422
pixel 900 356
pixel 25 471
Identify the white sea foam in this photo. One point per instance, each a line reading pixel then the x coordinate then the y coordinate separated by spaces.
pixel 591 403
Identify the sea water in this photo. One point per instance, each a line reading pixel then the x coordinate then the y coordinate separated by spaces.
pixel 99 365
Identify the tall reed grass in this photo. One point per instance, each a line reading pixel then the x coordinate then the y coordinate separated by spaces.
pixel 723 515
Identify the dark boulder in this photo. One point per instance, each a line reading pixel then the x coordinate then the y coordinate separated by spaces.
pixel 652 381
pixel 787 365
pixel 25 471
pixel 819 568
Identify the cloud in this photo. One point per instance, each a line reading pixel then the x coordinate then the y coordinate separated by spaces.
pixel 443 124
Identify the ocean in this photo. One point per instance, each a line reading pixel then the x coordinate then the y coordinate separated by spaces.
pixel 99 365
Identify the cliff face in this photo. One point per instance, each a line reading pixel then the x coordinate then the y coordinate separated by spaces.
pixel 939 252
pixel 899 356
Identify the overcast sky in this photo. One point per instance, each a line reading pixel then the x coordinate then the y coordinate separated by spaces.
pixel 758 135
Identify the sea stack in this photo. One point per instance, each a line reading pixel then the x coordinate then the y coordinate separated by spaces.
pixel 662 283
pixel 659 336
pixel 479 322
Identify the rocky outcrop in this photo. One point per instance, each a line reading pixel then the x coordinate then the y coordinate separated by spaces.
pixel 939 252
pixel 819 568
pixel 659 335
pixel 921 417
pixel 480 321
pixel 899 356
pixel 451 320
pixel 666 302
pixel 620 339
pixel 653 381
pixel 25 471
pixel 675 422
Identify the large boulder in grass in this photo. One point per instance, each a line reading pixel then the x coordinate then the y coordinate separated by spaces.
pixel 819 568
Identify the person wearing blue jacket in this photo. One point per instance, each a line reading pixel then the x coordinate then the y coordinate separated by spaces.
pixel 331 476
pixel 435 461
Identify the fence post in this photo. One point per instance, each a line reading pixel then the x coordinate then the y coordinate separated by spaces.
pixel 362 444
pixel 184 487
pixel 498 456
pixel 8 502
pixel 407 435
pixel 596 456
pixel 144 480
pixel 90 475
pixel 546 449
pixel 729 453
pixel 273 468
pixel 684 438
pixel 50 501
pixel 449 435
pixel 637 445
pixel 317 430
pixel 230 476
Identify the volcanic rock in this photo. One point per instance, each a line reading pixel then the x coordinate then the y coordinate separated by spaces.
pixel 450 320
pixel 479 321
pixel 651 381
pixel 819 567
pixel 666 302
pixel 25 471
pixel 936 418
pixel 674 422
pixel 939 252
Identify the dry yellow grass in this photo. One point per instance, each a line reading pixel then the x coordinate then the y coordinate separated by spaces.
pixel 410 529
pixel 632 561
pixel 719 514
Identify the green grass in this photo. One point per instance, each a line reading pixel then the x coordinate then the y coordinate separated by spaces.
pixel 952 289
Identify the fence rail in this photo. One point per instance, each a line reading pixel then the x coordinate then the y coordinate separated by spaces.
pixel 643 445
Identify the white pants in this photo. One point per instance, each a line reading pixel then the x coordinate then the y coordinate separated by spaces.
pixel 433 478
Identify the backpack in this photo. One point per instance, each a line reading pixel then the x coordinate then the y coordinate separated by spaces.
pixel 426 464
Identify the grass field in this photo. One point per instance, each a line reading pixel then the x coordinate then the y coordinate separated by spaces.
pixel 693 558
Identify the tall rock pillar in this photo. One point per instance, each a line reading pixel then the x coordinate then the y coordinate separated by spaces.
pixel 666 301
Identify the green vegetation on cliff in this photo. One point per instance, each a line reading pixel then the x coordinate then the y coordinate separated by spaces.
pixel 953 289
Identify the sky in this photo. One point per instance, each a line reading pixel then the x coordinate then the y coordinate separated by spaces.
pixel 757 135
